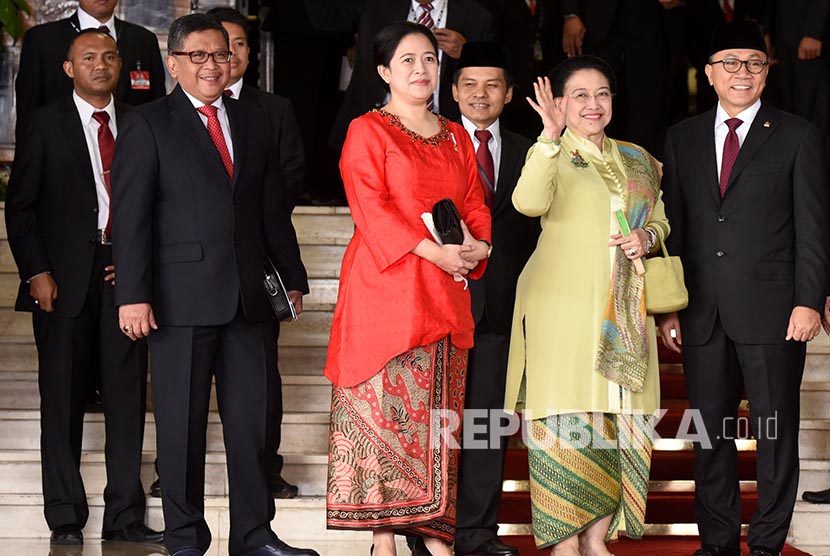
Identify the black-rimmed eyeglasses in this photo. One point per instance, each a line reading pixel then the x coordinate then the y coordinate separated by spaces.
pixel 201 57
pixel 733 65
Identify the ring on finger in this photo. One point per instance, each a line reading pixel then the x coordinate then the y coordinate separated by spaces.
pixel 128 328
pixel 632 251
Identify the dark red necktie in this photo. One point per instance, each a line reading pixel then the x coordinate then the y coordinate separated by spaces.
pixel 106 147
pixel 228 93
pixel 425 19
pixel 105 29
pixel 216 135
pixel 731 148
pixel 485 165
pixel 728 12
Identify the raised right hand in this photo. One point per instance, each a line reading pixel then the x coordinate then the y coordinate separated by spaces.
pixel 44 290
pixel 551 110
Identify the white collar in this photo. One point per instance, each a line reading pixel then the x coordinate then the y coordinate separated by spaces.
pixel 86 21
pixel 747 116
pixel 85 109
pixel 198 103
pixel 236 88
pixel 494 129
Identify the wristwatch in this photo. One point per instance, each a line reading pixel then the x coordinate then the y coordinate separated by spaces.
pixel 489 246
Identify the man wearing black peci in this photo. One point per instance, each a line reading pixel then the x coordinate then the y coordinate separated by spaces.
pixel 58 218
pixel 196 208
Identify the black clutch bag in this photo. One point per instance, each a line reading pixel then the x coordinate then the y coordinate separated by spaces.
pixel 447 222
pixel 281 304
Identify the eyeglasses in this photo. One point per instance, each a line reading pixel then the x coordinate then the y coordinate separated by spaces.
pixel 733 65
pixel 201 57
pixel 582 96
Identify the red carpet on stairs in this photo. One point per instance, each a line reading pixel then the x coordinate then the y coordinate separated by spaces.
pixel 648 546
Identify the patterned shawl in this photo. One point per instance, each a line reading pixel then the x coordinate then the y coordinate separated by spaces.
pixel 623 348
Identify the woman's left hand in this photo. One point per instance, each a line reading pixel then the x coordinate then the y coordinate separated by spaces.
pixel 634 246
pixel 480 249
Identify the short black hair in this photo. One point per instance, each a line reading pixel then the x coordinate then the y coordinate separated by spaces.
pixel 388 39
pixel 182 27
pixel 90 31
pixel 231 15
pixel 560 75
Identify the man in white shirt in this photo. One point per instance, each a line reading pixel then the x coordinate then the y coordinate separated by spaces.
pixel 745 188
pixel 59 220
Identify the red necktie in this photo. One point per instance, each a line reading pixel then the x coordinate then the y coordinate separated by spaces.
pixel 728 12
pixel 531 4
pixel 105 29
pixel 731 147
pixel 228 93
pixel 485 165
pixel 215 132
pixel 106 147
pixel 425 19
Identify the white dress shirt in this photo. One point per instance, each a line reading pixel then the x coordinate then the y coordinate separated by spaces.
pixel 494 145
pixel 91 125
pixel 235 89
pixel 221 113
pixel 721 129
pixel 88 22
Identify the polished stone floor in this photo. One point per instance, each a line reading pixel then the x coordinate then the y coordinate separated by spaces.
pixel 41 547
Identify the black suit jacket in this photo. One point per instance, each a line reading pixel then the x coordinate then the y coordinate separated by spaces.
pixel 285 133
pixel 187 238
pixel 52 206
pixel 41 79
pixel 367 18
pixel 762 250
pixel 514 239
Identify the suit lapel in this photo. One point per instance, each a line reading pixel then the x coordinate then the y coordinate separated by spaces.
pixel 763 126
pixel 183 111
pixel 70 124
pixel 507 167
pixel 236 119
pixel 707 154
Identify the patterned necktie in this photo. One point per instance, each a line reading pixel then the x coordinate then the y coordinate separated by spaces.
pixel 105 29
pixel 485 165
pixel 731 147
pixel 106 147
pixel 215 132
pixel 425 19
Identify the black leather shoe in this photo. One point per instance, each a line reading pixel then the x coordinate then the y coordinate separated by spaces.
pixel 67 535
pixel 188 551
pixel 134 532
pixel 763 551
pixel 279 548
pixel 155 489
pixel 712 550
pixel 494 547
pixel 817 496
pixel 282 489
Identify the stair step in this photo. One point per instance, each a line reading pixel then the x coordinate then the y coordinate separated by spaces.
pixel 809 526
pixel 672 385
pixel 6 260
pixel 323 225
pixel 302 433
pixel 20 472
pixel 301 518
pixel 322 261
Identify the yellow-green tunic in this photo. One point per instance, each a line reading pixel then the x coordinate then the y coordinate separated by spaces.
pixel 564 288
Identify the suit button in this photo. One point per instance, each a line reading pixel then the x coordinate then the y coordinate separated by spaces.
pixel 720 253
pixel 721 218
pixel 95 209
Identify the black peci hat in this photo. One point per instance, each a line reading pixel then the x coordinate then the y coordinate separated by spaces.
pixel 483 54
pixel 738 34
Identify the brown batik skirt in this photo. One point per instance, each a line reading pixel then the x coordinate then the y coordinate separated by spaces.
pixel 393 439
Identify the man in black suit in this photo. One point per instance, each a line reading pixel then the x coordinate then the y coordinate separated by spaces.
pixel 40 81
pixel 630 35
pixel 196 209
pixel 482 88
pixel 745 189
pixel 58 219
pixel 453 21
pixel 286 137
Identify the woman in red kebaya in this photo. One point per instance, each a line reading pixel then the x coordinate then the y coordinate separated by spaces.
pixel 402 325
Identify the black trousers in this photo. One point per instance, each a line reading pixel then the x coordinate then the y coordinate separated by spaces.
pixel 481 469
pixel 276 408
pixel 240 355
pixel 67 349
pixel 771 375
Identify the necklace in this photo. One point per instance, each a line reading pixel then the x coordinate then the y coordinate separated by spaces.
pixel 442 135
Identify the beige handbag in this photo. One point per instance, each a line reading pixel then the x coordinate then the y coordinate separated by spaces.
pixel 665 289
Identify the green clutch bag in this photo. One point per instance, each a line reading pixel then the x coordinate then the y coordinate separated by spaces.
pixel 665 289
